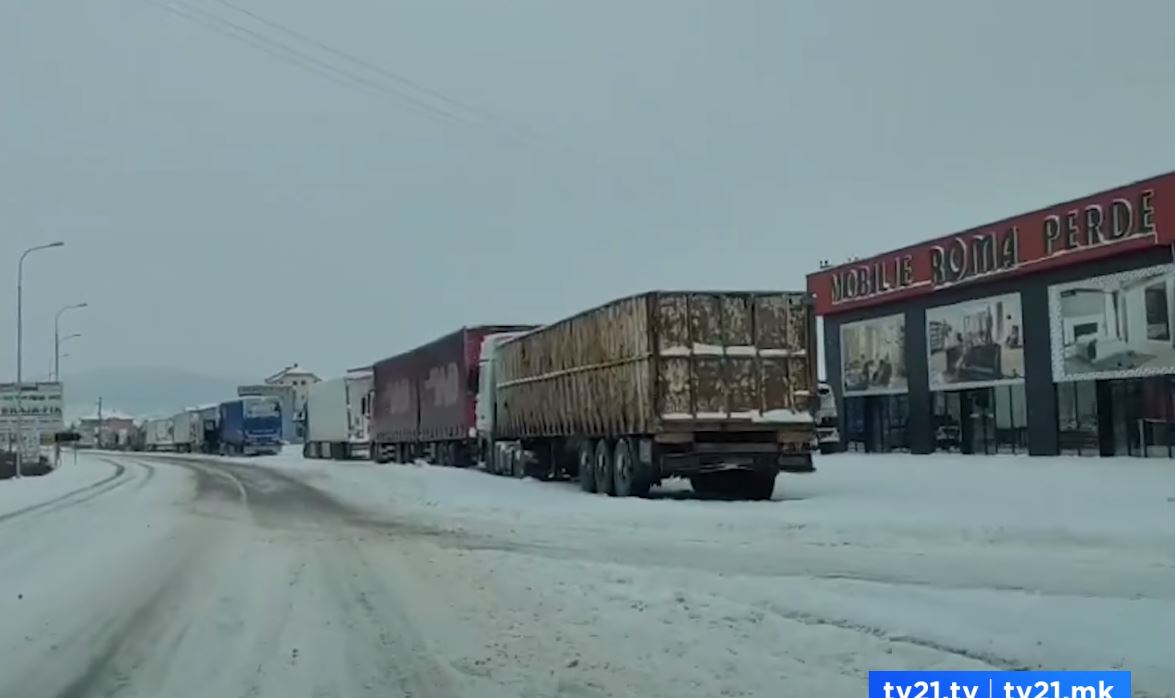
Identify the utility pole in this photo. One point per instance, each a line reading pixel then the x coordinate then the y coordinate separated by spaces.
pixel 98 436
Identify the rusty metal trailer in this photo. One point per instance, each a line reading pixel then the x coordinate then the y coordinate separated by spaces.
pixel 714 386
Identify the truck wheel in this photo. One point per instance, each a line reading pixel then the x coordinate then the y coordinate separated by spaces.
pixel 605 484
pixel 587 466
pixel 630 476
pixel 305 450
pixel 827 448
pixel 757 485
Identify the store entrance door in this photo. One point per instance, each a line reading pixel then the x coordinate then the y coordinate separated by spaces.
pixel 1121 432
pixel 978 420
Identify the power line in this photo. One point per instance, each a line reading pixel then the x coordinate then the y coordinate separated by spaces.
pixel 238 31
pixel 484 114
pixel 348 78
pixel 284 57
pixel 373 67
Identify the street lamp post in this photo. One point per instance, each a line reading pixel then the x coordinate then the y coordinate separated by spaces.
pixel 58 356
pixel 56 338
pixel 20 349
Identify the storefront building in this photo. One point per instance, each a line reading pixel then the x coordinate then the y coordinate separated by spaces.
pixel 1048 333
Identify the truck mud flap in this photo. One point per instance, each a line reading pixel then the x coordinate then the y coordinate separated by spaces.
pixel 797 464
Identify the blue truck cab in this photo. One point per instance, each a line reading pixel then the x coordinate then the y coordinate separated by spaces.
pixel 251 426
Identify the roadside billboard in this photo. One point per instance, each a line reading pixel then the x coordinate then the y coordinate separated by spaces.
pixel 873 356
pixel 41 407
pixel 976 343
pixel 1114 326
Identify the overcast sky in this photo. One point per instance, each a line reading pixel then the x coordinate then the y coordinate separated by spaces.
pixel 230 210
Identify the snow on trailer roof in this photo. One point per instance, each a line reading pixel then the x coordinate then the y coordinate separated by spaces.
pixel 703 292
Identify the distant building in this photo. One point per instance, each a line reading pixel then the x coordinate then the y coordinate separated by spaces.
pixel 300 380
pixel 112 431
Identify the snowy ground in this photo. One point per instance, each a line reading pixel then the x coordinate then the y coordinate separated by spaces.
pixel 361 579
pixel 61 487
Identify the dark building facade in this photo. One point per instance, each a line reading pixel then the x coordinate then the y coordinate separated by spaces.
pixel 1048 333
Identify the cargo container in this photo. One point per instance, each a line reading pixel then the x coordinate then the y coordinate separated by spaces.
pixel 424 399
pixel 337 413
pixel 251 426
pixel 187 431
pixel 158 435
pixel 717 387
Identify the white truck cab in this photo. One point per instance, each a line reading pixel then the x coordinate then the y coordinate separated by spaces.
pixel 827 423
pixel 487 389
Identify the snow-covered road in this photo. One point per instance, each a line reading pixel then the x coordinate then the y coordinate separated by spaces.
pixel 186 576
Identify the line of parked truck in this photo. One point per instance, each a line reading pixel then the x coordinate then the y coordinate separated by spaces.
pixel 242 426
pixel 716 387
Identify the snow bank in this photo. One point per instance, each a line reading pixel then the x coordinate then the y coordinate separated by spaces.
pixel 17 494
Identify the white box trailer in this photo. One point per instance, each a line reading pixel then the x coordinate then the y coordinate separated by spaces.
pixel 159 435
pixel 187 431
pixel 360 390
pixel 337 413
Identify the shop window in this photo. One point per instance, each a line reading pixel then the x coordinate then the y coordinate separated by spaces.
pixel 946 421
pixel 877 423
pixel 1142 414
pixel 893 429
pixel 979 433
pixel 854 436
pixel 1158 319
pixel 1011 419
pixel 1077 421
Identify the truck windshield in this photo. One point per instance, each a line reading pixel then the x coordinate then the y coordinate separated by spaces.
pixel 261 409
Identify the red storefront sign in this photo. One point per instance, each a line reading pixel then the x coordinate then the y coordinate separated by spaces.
pixel 1121 220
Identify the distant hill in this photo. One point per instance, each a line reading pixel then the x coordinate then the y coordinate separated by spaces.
pixel 143 392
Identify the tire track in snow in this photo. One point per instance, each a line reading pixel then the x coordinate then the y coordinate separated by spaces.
pixel 815 620
pixel 78 496
pixel 150 473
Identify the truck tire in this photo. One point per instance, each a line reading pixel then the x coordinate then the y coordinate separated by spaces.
pixel 587 466
pixel 305 450
pixel 827 448
pixel 757 485
pixel 631 478
pixel 605 484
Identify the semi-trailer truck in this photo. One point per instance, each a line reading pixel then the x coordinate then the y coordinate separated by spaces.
pixel 716 387
pixel 337 417
pixel 187 431
pixel 423 401
pixel 158 435
pixel 251 426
